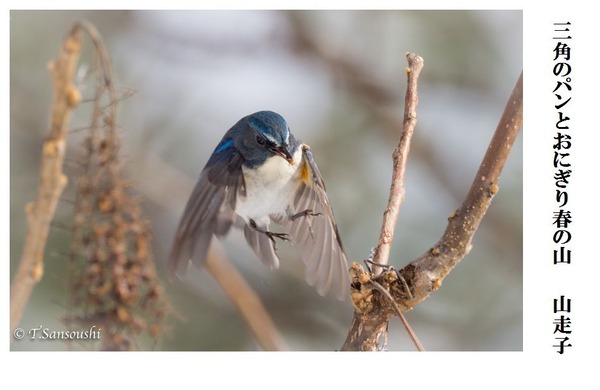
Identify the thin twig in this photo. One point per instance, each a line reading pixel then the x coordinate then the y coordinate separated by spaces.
pixel 409 330
pixel 400 156
pixel 366 329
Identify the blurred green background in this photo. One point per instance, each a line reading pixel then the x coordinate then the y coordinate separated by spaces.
pixel 195 73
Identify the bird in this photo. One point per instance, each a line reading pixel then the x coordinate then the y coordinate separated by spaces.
pixel 260 173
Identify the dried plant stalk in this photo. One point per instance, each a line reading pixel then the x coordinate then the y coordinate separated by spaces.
pixel 112 279
pixel 52 179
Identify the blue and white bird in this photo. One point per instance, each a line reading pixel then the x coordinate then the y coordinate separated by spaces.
pixel 259 173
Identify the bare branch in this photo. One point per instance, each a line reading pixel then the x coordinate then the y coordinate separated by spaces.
pixel 400 156
pixel 415 282
pixel 355 341
pixel 52 179
pixel 427 272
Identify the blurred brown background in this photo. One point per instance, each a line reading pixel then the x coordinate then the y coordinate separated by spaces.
pixel 338 78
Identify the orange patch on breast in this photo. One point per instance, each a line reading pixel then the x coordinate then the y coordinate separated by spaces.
pixel 305 173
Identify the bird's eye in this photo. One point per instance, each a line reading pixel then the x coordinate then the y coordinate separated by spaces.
pixel 260 140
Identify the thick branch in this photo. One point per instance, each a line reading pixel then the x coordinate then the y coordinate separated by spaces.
pixel 427 272
pixel 52 180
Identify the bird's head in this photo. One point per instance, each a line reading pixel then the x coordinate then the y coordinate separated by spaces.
pixel 263 135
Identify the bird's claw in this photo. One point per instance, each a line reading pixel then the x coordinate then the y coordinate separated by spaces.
pixel 281 236
pixel 305 213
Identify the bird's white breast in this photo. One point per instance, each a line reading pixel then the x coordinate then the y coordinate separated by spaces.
pixel 269 188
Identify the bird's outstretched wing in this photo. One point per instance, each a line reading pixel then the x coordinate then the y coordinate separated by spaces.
pixel 210 209
pixel 312 228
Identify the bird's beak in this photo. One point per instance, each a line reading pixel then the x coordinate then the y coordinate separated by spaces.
pixel 284 153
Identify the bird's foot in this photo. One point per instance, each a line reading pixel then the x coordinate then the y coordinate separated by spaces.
pixel 272 235
pixel 281 236
pixel 304 213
